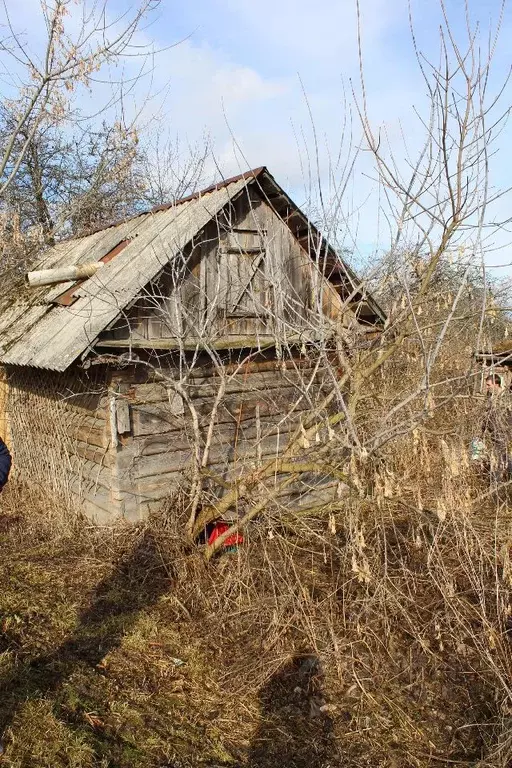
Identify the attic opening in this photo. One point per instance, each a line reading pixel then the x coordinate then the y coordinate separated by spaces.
pixel 68 297
pixel 242 274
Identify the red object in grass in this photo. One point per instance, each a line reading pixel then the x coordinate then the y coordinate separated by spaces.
pixel 220 528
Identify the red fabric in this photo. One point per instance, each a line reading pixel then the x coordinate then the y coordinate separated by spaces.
pixel 219 529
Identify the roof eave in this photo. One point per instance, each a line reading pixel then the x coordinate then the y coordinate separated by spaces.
pixel 360 294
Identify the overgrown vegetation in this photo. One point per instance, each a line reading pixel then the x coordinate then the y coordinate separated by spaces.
pixel 372 631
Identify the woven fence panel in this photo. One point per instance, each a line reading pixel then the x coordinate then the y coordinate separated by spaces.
pixel 56 428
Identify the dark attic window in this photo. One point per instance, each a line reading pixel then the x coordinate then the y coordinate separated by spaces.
pixel 242 290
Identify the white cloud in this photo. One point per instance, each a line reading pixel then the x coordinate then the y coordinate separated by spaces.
pixel 243 85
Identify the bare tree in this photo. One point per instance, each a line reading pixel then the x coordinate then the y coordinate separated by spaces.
pixel 173 170
pixel 44 83
pixel 438 205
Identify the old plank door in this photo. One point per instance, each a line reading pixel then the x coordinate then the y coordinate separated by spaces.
pixel 242 291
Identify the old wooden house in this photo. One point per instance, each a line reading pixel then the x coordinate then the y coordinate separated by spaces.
pixel 196 346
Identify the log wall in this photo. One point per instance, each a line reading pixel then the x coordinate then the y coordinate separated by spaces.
pixel 117 442
pixel 251 423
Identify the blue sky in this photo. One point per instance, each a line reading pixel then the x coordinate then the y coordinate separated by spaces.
pixel 270 62
pixel 256 76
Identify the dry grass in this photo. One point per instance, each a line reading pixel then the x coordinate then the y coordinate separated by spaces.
pixel 404 607
pixel 374 632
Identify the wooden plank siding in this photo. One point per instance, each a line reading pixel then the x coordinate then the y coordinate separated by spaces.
pixel 246 276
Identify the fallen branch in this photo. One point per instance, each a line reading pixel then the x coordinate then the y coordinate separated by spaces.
pixel 242 490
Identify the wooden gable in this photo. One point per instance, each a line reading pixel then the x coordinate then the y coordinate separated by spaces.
pixel 246 276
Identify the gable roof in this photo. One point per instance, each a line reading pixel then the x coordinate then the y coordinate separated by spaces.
pixel 36 332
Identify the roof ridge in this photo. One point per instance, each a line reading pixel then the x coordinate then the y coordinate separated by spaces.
pixel 252 173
